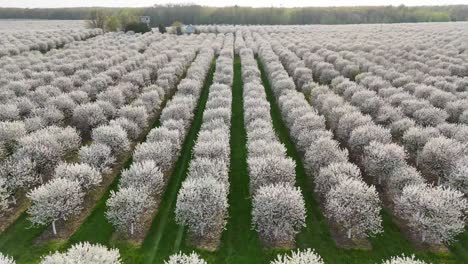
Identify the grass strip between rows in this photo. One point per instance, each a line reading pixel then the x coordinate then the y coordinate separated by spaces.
pixel 165 237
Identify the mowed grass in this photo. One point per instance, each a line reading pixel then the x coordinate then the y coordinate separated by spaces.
pixel 239 243
pixel 317 235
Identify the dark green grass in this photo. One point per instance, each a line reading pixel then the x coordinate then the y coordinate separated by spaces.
pixel 317 235
pixel 239 243
pixel 18 241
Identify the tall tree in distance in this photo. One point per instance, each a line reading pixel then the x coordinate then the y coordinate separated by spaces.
pixel 97 19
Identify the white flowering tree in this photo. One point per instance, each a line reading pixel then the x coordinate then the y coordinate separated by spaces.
pixel 4 196
pixel 439 156
pixel 401 177
pixel 430 116
pixel 355 207
pixel 458 176
pixel 19 173
pixel 84 253
pixel 137 114
pixel 333 174
pixel 162 153
pixel 180 258
pixel 202 206
pixel 126 208
pixel 6 259
pixel 403 260
pixel 143 175
pixel 435 214
pixel 203 167
pixel 278 213
pixel 98 156
pixel 362 136
pixel 322 153
pixel 59 199
pixel 113 136
pixel 381 159
pixel 415 138
pixel 348 122
pixel 87 176
pixel 307 256
pixel 270 170
pixel 88 116
pixel 11 132
pixel 130 127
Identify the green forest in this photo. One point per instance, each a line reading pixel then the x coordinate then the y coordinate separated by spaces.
pixel 196 14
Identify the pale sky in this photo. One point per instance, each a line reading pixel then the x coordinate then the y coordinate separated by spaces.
pixel 255 3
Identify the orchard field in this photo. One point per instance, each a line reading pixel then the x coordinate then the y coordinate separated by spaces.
pixel 238 144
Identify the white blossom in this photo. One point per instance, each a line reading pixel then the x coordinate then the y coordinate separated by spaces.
pixel 126 208
pixel 202 206
pixel 113 136
pixel 180 258
pixel 307 256
pixel 403 260
pixel 98 156
pixel 84 253
pixel 355 207
pixel 87 176
pixel 435 214
pixel 278 213
pixel 59 199
pixel 143 175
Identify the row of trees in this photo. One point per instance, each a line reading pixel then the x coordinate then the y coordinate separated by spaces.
pixel 62 197
pixel 202 201
pixel 195 14
pixel 14 43
pixel 278 212
pixel 143 183
pixel 123 20
pixel 370 145
pixel 434 145
pixel 46 104
pixel 338 182
pixel 85 252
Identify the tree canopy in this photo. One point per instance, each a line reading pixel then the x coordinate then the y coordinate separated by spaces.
pixel 196 14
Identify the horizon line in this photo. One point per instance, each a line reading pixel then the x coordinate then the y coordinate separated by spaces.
pixel 241 6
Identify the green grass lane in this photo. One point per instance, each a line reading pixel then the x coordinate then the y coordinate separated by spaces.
pixel 239 243
pixel 317 235
pixel 18 239
pixel 165 237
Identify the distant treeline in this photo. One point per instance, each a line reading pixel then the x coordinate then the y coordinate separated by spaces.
pixel 195 14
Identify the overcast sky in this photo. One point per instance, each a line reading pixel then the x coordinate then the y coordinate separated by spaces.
pixel 255 3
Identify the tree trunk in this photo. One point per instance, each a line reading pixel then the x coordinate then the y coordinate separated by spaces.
pixel 424 236
pixel 349 233
pixel 380 180
pixel 13 199
pixel 131 229
pixel 417 158
pixel 438 181
pixel 53 228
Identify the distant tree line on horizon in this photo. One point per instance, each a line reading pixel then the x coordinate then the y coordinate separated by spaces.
pixel 196 14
